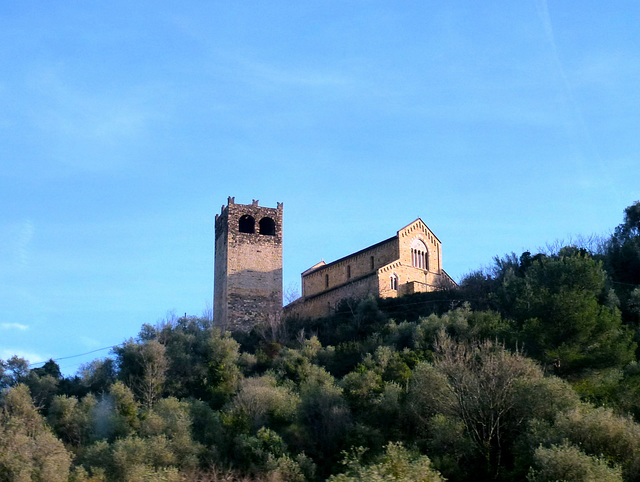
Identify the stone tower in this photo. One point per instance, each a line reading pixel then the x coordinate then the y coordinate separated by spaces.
pixel 248 265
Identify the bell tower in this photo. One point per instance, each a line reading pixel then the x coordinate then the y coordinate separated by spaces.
pixel 248 265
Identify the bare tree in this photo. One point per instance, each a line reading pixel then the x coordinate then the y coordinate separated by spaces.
pixel 291 293
pixel 482 380
pixel 153 363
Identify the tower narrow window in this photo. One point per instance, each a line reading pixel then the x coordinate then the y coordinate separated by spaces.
pixel 348 271
pixel 372 263
pixel 393 282
pixel 267 226
pixel 326 280
pixel 247 224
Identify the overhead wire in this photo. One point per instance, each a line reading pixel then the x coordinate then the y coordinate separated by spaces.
pixel 75 356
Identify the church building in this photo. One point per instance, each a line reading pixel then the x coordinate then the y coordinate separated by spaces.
pixel 409 262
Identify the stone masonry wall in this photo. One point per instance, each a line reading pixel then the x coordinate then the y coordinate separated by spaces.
pixel 248 286
pixel 355 277
pixel 350 267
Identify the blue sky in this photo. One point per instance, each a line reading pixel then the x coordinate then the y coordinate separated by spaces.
pixel 124 126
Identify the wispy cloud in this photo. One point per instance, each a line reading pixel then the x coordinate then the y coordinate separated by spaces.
pixel 32 357
pixel 13 326
pixel 90 343
pixel 607 69
pixel 583 132
pixel 292 76
pixel 23 240
pixel 15 246
pixel 88 128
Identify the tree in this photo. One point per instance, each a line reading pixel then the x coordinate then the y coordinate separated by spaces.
pixel 143 367
pixel 97 376
pixel 223 374
pixel 116 413
pixel 324 419
pixel 187 348
pixel 568 462
pixel 397 463
pixel 482 380
pixel 171 419
pixel 622 260
pixel 72 420
pixel 28 449
pixel 13 371
pixel 560 307
pixel 261 402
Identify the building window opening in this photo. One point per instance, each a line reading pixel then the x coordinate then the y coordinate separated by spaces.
pixel 247 224
pixel 326 280
pixel 393 282
pixel 419 259
pixel 348 271
pixel 372 262
pixel 267 226
pixel 419 255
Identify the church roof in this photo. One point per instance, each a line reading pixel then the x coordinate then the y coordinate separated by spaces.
pixel 314 267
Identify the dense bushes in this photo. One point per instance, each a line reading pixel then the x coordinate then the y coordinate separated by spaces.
pixel 527 371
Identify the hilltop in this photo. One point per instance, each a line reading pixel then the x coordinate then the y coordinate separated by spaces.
pixel 528 370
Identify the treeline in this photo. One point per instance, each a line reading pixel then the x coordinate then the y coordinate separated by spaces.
pixel 526 371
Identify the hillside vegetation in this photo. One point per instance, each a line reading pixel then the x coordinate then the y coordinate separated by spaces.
pixel 527 371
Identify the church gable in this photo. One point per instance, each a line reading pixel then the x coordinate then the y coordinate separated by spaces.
pixel 418 227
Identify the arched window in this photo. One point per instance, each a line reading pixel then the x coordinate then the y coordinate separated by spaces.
pixel 419 255
pixel 247 224
pixel 267 226
pixel 393 282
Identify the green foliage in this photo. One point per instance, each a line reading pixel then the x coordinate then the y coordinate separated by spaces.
pixel 143 367
pixel 462 324
pixel 445 373
pixel 482 377
pixel 623 254
pixel 28 449
pixel 556 302
pixel 13 371
pixel 223 374
pixel 599 387
pixel 97 376
pixel 255 450
pixel 397 463
pixel 569 463
pixel 261 402
pixel 598 431
pixel 71 420
pixel 324 419
pixel 171 418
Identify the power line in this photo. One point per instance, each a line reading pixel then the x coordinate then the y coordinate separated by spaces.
pixel 75 356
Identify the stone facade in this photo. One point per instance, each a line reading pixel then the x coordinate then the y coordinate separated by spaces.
pixel 409 262
pixel 248 265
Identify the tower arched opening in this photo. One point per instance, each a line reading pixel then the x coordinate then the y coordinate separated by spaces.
pixel 247 224
pixel 267 226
